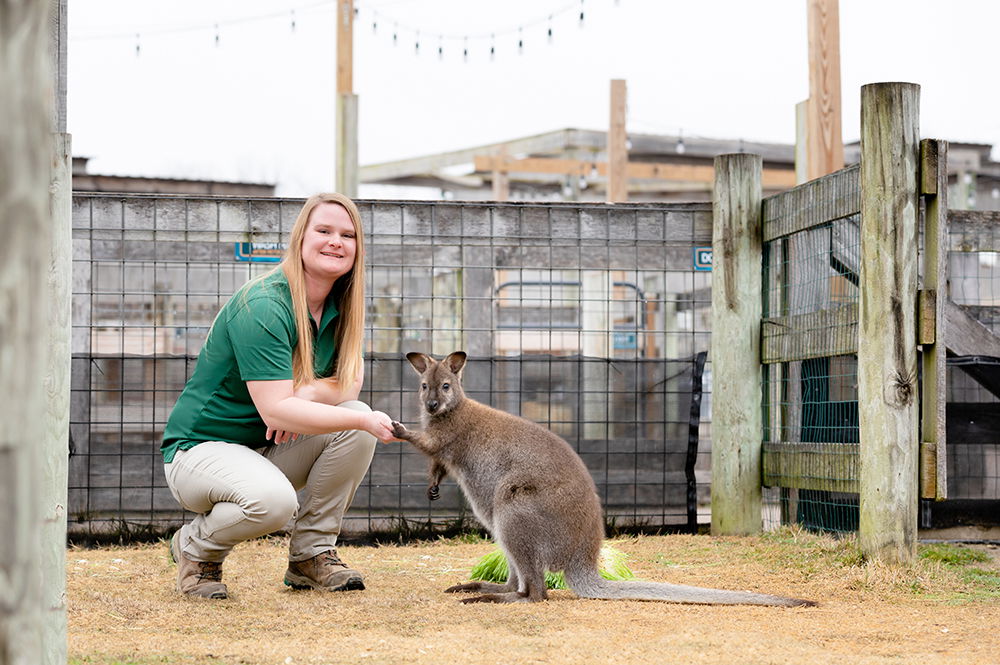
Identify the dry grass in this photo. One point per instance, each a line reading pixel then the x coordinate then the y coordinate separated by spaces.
pixel 123 609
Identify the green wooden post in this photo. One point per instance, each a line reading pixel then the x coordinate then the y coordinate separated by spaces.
pixel 736 371
pixel 887 353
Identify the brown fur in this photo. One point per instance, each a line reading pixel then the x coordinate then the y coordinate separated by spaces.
pixel 533 493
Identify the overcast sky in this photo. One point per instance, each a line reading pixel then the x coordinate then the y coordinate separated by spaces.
pixel 244 89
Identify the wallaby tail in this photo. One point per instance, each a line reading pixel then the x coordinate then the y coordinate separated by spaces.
pixel 589 584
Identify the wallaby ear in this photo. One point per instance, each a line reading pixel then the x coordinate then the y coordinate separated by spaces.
pixel 455 361
pixel 419 361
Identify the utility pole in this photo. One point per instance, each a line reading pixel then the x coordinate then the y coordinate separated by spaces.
pixel 347 103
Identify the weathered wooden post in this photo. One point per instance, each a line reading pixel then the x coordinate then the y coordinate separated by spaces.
pixel 25 140
pixel 736 312
pixel 887 353
pixel 54 443
pixel 346 175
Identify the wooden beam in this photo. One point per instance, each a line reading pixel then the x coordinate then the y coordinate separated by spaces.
pixel 964 335
pixel 933 393
pixel 617 145
pixel 824 133
pixel 888 397
pixel 770 178
pixel 825 332
pixel 831 467
pixel 736 313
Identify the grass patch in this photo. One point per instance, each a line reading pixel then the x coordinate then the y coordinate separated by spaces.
pixel 951 555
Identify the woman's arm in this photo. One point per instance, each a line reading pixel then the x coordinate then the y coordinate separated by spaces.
pixel 330 391
pixel 282 410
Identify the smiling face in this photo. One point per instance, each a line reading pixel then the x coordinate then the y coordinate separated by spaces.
pixel 330 243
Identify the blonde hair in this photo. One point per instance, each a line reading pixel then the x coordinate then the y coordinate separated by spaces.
pixel 349 295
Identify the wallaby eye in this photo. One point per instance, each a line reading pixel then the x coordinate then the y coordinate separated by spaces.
pixel 445 386
pixel 423 386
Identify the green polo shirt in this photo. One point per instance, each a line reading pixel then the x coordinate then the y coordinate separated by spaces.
pixel 251 340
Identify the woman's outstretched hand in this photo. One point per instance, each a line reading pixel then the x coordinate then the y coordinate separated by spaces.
pixel 381 427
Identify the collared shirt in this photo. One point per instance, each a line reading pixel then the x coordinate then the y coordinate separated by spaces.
pixel 251 339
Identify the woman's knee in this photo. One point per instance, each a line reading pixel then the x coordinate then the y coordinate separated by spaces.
pixel 273 505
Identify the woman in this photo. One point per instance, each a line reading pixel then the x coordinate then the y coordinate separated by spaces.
pixel 272 407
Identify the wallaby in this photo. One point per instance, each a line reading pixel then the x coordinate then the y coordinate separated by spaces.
pixel 533 493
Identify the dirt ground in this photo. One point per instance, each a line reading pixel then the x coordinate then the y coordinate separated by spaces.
pixel 123 609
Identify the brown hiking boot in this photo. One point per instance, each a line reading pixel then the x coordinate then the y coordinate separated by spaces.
pixel 200 579
pixel 324 571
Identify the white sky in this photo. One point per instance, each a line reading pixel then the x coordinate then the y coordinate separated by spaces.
pixel 259 106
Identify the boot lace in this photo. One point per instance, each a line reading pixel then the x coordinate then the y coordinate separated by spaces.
pixel 210 570
pixel 330 558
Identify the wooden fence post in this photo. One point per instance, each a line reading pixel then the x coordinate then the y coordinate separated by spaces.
pixel 736 312
pixel 887 353
pixel 25 135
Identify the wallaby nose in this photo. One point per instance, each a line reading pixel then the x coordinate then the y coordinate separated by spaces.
pixel 432 405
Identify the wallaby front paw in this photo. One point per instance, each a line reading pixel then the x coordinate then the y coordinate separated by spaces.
pixel 399 430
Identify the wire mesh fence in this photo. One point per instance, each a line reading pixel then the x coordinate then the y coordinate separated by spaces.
pixel 809 345
pixel 590 319
pixel 973 410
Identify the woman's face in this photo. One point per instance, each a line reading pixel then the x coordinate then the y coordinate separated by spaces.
pixel 330 243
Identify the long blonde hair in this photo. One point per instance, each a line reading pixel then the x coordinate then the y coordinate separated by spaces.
pixel 349 295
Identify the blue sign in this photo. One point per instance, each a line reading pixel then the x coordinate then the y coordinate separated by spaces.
pixel 259 252
pixel 702 258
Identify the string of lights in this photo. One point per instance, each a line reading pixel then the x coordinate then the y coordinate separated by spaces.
pixel 381 22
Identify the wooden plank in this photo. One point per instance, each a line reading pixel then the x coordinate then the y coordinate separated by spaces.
pixel 966 336
pixel 770 178
pixel 826 332
pixel 617 145
pixel 811 466
pixel 973 231
pixel 824 135
pixel 816 202
pixel 933 327
pixel 887 356
pixel 736 313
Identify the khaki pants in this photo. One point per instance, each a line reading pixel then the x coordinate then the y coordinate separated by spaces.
pixel 241 493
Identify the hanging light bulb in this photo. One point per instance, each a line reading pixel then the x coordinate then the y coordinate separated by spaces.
pixel 581 13
pixel 440 48
pixel 216 34
pixel 680 143
pixel 416 47
pixel 520 41
pixel 550 30
pixel 465 50
pixel 493 48
pixel 293 20
pixel 395 33
pixel 137 44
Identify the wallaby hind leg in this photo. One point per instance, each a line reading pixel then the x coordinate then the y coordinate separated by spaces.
pixel 534 591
